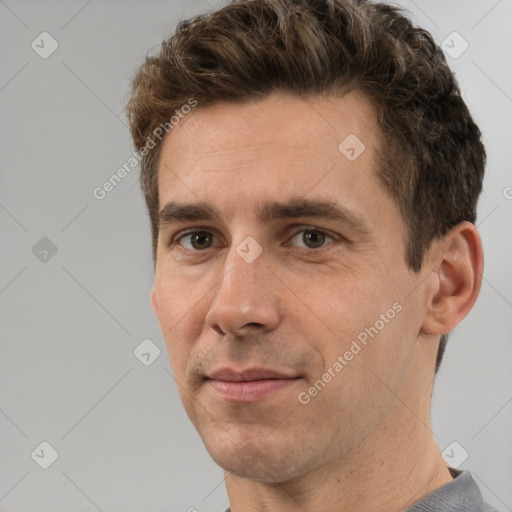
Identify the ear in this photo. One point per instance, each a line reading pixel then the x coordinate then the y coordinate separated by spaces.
pixel 459 258
pixel 154 301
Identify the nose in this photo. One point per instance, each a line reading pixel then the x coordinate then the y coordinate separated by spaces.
pixel 246 299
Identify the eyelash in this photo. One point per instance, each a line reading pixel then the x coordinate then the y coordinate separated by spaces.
pixel 176 239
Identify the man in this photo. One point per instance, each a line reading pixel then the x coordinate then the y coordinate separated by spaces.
pixel 312 175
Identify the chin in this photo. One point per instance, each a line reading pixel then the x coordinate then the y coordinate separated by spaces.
pixel 262 470
pixel 264 462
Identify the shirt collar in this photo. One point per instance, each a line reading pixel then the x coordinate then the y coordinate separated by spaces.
pixel 460 495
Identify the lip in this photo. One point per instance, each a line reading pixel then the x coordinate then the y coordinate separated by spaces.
pixel 249 385
pixel 248 374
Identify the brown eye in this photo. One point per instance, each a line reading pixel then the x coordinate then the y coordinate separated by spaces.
pixel 196 240
pixel 311 238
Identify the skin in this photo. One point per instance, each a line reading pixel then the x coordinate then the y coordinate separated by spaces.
pixel 364 442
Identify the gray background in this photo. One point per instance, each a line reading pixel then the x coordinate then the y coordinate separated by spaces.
pixel 71 322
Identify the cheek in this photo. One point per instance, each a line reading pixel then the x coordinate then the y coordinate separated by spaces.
pixel 181 293
pixel 356 380
pixel 334 308
pixel 362 318
pixel 181 317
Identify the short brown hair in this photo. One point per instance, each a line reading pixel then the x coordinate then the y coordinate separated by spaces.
pixel 434 161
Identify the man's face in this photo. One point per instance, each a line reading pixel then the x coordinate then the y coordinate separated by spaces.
pixel 268 290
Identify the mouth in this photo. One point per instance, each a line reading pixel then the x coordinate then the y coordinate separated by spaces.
pixel 250 385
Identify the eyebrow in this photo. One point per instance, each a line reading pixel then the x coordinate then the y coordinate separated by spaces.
pixel 174 212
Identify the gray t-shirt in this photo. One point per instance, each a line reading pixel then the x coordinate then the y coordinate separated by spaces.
pixel 460 495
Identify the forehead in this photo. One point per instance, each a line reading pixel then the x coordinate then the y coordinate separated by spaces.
pixel 282 145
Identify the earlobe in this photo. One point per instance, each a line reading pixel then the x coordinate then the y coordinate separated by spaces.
pixel 459 273
pixel 154 301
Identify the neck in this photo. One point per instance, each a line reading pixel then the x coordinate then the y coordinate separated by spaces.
pixel 388 486
pixel 398 464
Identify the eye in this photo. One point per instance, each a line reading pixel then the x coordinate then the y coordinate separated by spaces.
pixel 201 240
pixel 195 240
pixel 312 238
